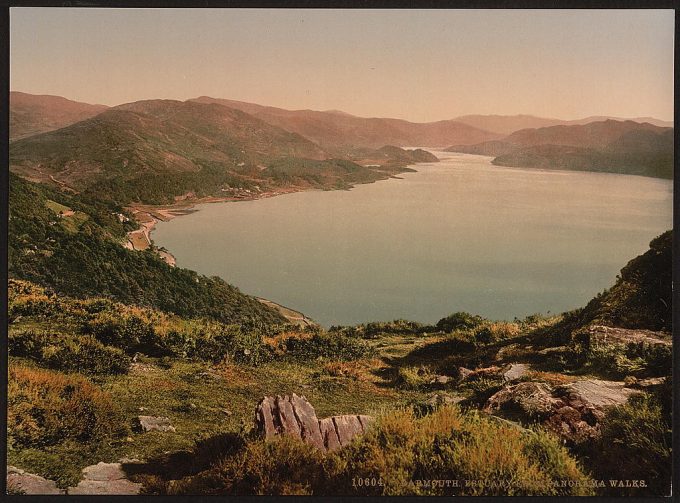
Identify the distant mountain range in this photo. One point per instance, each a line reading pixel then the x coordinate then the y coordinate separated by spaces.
pixel 150 151
pixel 507 124
pixel 341 132
pixel 609 146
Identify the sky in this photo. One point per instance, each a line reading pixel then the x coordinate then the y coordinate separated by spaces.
pixel 420 65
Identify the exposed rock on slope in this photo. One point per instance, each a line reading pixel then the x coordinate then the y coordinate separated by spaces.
pixel 294 415
pixel 573 411
pixel 641 298
pixel 105 478
pixel 22 482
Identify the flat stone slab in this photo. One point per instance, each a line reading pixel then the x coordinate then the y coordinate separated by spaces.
pixel 112 487
pixel 22 482
pixel 151 423
pixel 602 393
pixel 105 478
pixel 611 335
pixel 104 471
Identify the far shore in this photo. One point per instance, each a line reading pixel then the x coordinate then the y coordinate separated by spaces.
pixel 149 215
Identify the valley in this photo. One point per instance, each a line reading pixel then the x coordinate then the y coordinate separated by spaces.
pixel 131 354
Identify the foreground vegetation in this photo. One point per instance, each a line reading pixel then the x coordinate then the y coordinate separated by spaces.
pixel 83 370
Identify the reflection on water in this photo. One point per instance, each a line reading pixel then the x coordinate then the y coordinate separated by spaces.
pixel 460 234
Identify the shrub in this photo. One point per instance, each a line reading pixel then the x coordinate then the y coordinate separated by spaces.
pixel 638 436
pixel 45 408
pixel 128 332
pixel 621 360
pixel 68 353
pixel 490 333
pixel 232 344
pixel 281 466
pixel 397 453
pixel 326 345
pixel 459 321
pixel 448 445
pixel 413 378
pixel 375 329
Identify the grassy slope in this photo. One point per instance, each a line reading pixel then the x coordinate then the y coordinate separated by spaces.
pixel 207 400
pixel 83 257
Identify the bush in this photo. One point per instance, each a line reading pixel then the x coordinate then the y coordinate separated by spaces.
pixel 621 360
pixel 397 453
pixel 128 332
pixel 233 344
pixel 459 321
pixel 448 445
pixel 68 353
pixel 413 378
pixel 375 329
pixel 638 437
pixel 326 345
pixel 45 408
pixel 281 466
pixel 490 333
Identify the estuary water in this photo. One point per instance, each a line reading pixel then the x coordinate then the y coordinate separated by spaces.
pixel 458 235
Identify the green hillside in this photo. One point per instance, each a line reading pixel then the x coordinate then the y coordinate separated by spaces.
pixel 92 261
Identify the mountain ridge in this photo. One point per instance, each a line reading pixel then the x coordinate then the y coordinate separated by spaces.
pixel 625 147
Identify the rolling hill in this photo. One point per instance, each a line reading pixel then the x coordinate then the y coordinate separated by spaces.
pixel 507 124
pixel 31 114
pixel 152 151
pixel 341 132
pixel 608 146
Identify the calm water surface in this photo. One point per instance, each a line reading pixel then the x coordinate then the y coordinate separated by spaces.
pixel 456 235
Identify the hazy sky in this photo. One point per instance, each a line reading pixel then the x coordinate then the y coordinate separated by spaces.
pixel 420 65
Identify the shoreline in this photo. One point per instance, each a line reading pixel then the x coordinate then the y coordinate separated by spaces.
pixel 148 216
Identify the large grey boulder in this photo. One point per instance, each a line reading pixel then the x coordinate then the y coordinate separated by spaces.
pixel 22 482
pixel 295 416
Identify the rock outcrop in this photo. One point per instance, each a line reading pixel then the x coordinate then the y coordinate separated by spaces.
pixel 573 410
pixel 515 371
pixel 598 334
pixel 22 482
pixel 294 415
